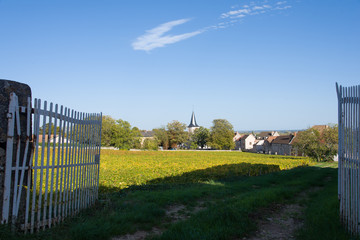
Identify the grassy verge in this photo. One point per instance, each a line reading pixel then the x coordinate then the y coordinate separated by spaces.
pixel 321 218
pixel 226 203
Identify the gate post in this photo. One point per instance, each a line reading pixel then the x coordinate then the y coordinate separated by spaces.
pixel 23 92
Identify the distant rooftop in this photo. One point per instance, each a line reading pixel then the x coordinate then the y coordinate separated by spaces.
pixel 146 133
pixel 265 134
pixel 286 139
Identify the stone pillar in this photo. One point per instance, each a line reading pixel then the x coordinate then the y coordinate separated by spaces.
pixel 23 91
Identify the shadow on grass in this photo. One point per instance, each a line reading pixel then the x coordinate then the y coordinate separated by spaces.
pixel 226 171
pixel 219 172
pixel 227 208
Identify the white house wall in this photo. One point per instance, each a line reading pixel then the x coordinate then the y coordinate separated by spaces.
pixel 249 142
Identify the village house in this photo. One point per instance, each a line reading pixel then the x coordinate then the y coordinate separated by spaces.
pixel 236 139
pixel 267 144
pixel 265 135
pixel 259 146
pixel 52 138
pixel 145 134
pixel 237 136
pixel 246 142
pixel 44 138
pixel 282 145
pixel 271 142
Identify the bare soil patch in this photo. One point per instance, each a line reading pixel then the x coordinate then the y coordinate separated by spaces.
pixel 280 222
pixel 174 213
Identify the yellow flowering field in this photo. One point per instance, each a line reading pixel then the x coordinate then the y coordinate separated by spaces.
pixel 122 169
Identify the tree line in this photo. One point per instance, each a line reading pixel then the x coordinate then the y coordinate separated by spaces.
pixel 120 134
pixel 320 145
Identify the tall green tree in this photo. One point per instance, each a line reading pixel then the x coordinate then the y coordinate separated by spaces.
pixel 150 144
pixel 320 145
pixel 123 136
pixel 201 136
pixel 162 137
pixel 221 135
pixel 108 124
pixel 177 133
pixel 136 138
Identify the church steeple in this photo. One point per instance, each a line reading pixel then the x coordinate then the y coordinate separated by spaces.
pixel 193 125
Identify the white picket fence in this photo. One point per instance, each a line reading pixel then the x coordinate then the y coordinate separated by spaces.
pixel 62 176
pixel 349 156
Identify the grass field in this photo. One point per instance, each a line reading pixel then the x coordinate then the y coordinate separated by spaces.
pixel 217 200
pixel 122 169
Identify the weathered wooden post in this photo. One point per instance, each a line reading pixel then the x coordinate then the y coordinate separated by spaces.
pixel 7 188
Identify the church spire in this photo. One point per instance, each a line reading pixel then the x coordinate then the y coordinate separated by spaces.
pixel 193 121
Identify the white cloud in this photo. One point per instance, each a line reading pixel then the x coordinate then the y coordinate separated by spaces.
pixel 154 38
pixel 261 7
pixel 283 8
pixel 225 24
pixel 240 15
pixel 234 14
pixel 255 9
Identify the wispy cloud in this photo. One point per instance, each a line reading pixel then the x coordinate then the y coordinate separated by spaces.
pixel 246 10
pixel 253 8
pixel 235 13
pixel 155 37
pixel 282 8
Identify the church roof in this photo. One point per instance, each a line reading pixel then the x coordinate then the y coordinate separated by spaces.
pixel 193 121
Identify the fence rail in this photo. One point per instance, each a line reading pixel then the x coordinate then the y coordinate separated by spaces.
pixel 62 176
pixel 349 156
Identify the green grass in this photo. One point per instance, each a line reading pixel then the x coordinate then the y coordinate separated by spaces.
pixel 229 218
pixel 322 215
pixel 229 203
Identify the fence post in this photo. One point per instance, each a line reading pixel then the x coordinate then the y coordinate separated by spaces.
pixel 23 92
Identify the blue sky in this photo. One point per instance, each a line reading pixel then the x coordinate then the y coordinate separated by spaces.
pixel 258 64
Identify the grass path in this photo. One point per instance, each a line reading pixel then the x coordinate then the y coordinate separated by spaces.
pixel 281 221
pixel 229 217
pixel 212 222
pixel 215 209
